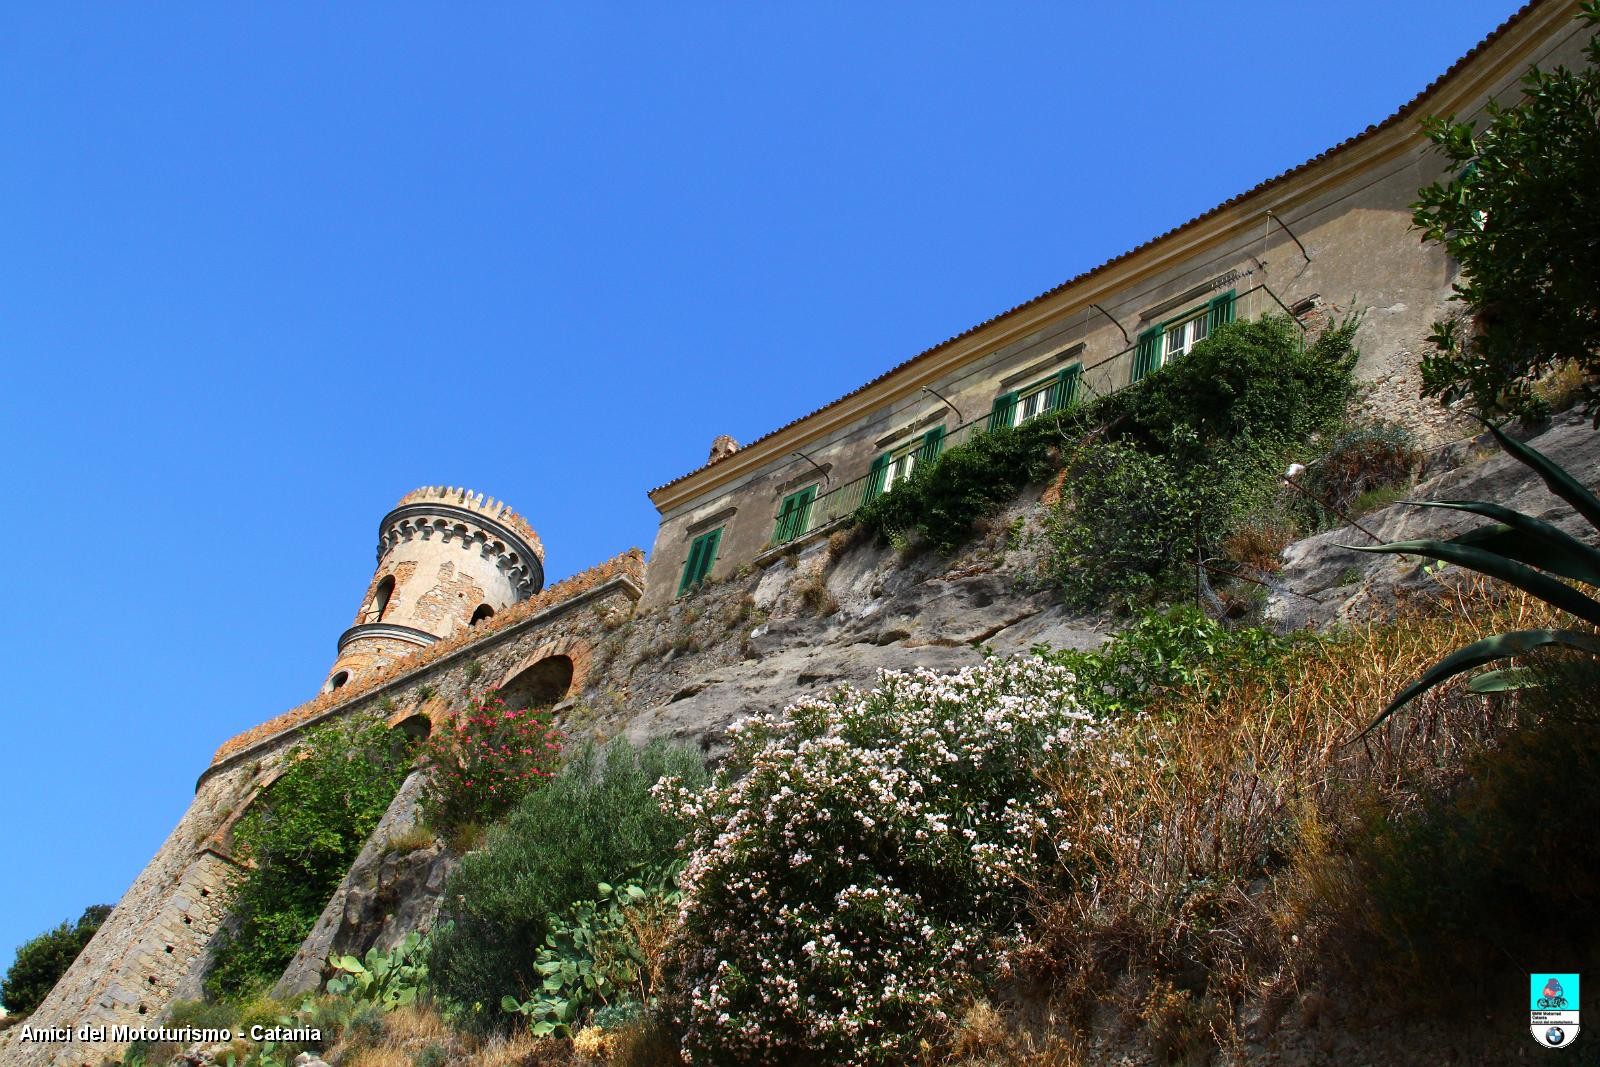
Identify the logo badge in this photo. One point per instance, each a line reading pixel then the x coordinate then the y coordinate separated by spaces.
pixel 1553 1009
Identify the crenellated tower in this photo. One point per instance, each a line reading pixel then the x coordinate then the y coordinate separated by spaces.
pixel 447 559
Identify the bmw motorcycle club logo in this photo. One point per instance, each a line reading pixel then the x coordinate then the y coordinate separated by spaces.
pixel 1553 1009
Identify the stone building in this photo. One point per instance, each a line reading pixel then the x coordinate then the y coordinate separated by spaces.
pixel 457 602
pixel 1328 237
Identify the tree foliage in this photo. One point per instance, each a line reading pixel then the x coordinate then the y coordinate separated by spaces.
pixel 41 961
pixel 1185 456
pixel 1522 216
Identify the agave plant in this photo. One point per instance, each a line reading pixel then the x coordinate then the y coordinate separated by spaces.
pixel 1527 552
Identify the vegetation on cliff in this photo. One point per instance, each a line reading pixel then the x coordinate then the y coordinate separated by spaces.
pixel 299 838
pixel 1521 214
pixel 41 960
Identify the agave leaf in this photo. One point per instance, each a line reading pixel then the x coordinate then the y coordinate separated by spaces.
pixel 1500 646
pixel 1555 478
pixel 1503 681
pixel 1525 539
pixel 1520 575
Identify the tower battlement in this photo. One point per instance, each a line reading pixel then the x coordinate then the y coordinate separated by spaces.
pixel 490 508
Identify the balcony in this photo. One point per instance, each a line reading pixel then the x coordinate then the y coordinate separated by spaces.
pixel 1112 373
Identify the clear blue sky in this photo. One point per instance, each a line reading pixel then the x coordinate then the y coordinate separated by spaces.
pixel 269 267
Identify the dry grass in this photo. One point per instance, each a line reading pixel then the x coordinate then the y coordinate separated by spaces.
pixel 1259 544
pixel 1562 387
pixel 412 839
pixel 1195 839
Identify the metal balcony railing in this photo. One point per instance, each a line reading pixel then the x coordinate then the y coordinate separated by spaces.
pixel 847 498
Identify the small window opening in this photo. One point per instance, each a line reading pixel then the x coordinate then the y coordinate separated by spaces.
pixel 484 612
pixel 380 598
pixel 338 680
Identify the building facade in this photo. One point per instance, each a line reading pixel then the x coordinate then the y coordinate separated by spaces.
pixel 1329 237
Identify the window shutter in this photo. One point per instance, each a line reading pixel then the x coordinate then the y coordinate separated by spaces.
pixel 802 509
pixel 1147 354
pixel 690 565
pixel 932 445
pixel 880 469
pixel 1000 416
pixel 1065 392
pixel 1221 310
pixel 780 532
pixel 709 558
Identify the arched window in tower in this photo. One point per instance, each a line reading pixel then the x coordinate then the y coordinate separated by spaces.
pixel 484 612
pixel 338 680
pixel 380 599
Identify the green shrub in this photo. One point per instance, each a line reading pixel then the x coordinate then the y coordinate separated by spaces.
pixel 596 821
pixel 1167 650
pixel 853 859
pixel 1193 453
pixel 302 834
pixel 1250 385
pixel 42 960
pixel 485 760
pixel 1123 532
pixel 942 501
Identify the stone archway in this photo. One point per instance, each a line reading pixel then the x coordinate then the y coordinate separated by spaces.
pixel 547 676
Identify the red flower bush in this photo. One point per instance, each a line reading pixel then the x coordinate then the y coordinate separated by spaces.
pixel 487 759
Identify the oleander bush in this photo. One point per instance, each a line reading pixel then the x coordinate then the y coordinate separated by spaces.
pixel 854 858
pixel 300 837
pixel 595 821
pixel 485 760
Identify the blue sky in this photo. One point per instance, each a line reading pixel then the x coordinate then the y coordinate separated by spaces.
pixel 267 268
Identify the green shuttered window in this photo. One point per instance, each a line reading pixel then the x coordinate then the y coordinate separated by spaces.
pixel 1055 393
pixel 794 516
pixel 702 555
pixel 1166 341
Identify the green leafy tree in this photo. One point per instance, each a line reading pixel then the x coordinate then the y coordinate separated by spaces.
pixel 302 835
pixel 42 961
pixel 1522 217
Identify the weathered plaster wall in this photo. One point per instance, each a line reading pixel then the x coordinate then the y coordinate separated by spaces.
pixel 1350 211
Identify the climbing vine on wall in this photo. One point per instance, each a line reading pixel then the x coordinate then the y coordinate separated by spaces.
pixel 301 836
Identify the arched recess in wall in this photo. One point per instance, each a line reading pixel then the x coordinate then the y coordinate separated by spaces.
pixel 380 599
pixel 413 725
pixel 483 613
pixel 337 680
pixel 545 678
pixel 221 841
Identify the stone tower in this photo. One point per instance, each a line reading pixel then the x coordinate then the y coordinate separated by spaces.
pixel 447 560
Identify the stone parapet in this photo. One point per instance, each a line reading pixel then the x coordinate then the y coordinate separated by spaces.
pixel 628 566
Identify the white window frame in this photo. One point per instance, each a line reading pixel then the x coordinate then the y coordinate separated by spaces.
pixel 902 461
pixel 1189 332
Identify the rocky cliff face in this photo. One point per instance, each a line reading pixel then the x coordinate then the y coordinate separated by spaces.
pixel 837 610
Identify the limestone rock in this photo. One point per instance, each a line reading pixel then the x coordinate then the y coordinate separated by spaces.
pixel 1322 583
